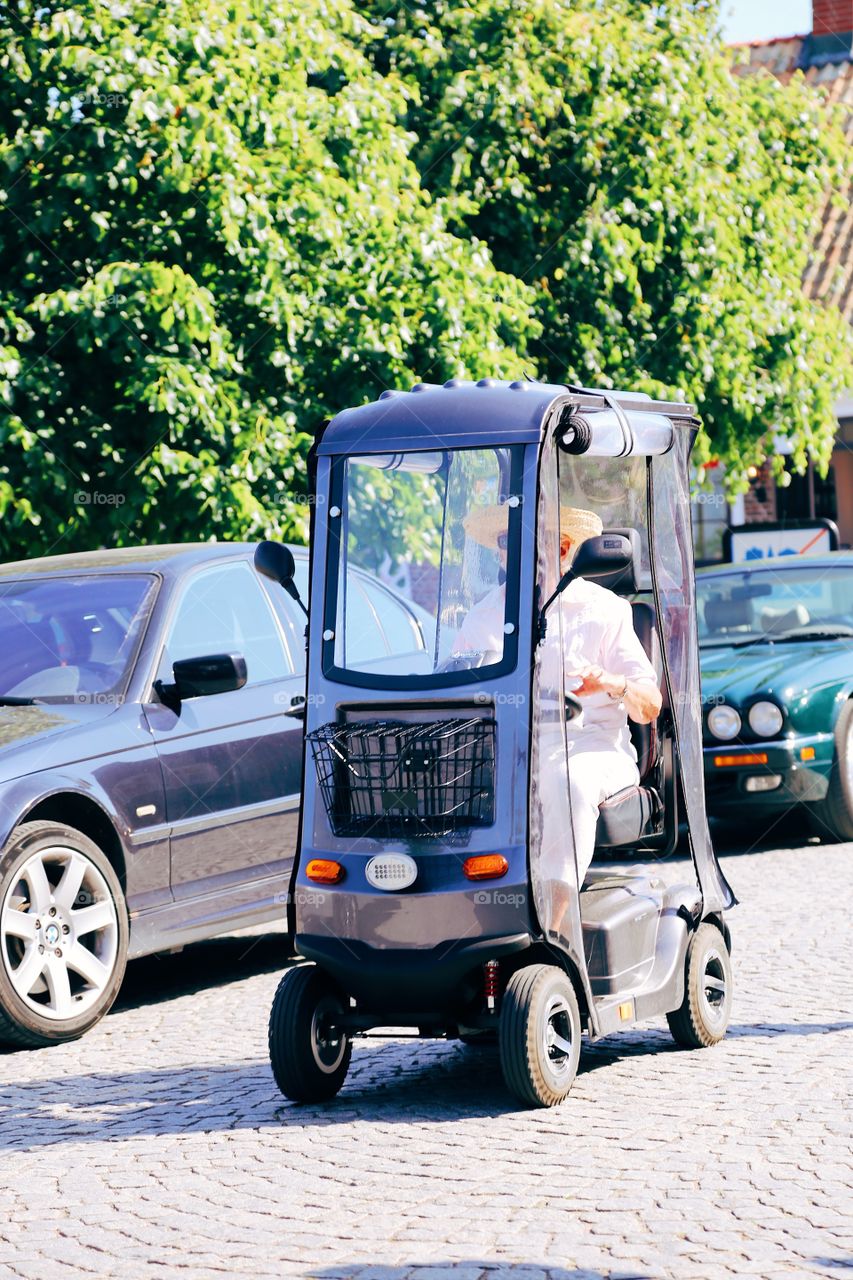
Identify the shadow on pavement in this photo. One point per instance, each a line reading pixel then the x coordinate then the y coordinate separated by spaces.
pixel 201 966
pixel 398 1082
pixel 751 834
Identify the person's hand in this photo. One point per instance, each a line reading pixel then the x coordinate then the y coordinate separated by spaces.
pixel 597 680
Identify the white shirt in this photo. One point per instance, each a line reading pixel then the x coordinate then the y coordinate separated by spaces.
pixel 483 628
pixel 598 630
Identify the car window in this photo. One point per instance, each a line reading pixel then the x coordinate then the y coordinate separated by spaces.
pixel 300 578
pixel 788 598
pixel 224 610
pixel 364 638
pixel 401 631
pixel 293 623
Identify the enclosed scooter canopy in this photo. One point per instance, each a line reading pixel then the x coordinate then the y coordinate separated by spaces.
pixel 439 720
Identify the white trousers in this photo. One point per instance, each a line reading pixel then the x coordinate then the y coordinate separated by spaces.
pixel 594 775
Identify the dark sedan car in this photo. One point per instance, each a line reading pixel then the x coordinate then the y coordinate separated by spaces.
pixel 150 762
pixel 776 643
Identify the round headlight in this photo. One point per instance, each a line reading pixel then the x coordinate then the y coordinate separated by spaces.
pixel 724 722
pixel 765 719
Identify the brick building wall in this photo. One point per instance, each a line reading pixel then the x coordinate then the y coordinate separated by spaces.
pixel 832 17
pixel 759 503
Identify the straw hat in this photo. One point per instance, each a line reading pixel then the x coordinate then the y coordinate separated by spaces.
pixel 579 524
pixel 484 524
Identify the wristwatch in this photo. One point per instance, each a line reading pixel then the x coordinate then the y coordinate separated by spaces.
pixel 617 697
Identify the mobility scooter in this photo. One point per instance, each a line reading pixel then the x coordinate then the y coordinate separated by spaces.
pixel 439 728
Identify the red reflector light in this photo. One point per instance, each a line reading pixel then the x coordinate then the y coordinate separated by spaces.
pixel 753 757
pixel 485 866
pixel 807 753
pixel 324 871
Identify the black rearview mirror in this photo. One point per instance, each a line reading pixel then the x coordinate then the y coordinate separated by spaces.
pixel 275 561
pixel 201 677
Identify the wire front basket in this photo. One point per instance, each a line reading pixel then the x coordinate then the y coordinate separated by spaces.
pixel 389 778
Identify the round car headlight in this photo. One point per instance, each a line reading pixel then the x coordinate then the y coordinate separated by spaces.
pixel 724 722
pixel 765 719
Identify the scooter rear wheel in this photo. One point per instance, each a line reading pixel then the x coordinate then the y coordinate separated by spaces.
pixel 310 1057
pixel 703 1016
pixel 540 1035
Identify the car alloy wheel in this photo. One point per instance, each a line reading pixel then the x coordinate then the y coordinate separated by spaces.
pixel 59 933
pixel 63 934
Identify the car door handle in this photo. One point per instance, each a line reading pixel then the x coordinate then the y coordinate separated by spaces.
pixel 296 710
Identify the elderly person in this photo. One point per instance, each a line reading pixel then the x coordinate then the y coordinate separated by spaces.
pixel 605 666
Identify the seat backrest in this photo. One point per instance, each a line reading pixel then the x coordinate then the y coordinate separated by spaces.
pixel 644 736
pixel 775 621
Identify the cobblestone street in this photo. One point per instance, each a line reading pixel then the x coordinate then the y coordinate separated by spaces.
pixel 159 1146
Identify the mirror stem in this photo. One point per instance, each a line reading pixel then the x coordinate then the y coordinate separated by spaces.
pixel 542 628
pixel 294 595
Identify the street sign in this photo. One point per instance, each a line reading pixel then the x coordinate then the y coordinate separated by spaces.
pixel 766 541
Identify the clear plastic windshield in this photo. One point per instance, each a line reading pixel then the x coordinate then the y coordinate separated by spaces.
pixel 676 596
pixel 421 580
pixel 553 860
pixel 615 489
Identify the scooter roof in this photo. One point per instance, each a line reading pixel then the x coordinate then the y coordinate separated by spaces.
pixel 460 414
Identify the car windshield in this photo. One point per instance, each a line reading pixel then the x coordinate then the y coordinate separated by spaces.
pixel 762 605
pixel 71 639
pixel 424 540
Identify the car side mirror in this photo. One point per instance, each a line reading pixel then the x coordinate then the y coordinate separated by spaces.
pixel 275 561
pixel 200 677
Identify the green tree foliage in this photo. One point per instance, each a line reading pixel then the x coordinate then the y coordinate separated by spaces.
pixel 662 208
pixel 222 221
pixel 212 235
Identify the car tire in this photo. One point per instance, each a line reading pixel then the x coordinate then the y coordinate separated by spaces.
pixel 832 817
pixel 703 1015
pixel 539 1035
pixel 309 1065
pixel 63 935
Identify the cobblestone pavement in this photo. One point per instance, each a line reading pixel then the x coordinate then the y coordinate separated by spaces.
pixel 159 1146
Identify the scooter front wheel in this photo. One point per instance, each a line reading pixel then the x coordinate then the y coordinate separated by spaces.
pixel 540 1035
pixel 309 1052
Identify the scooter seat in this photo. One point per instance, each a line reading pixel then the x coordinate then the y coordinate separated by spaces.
pixel 626 817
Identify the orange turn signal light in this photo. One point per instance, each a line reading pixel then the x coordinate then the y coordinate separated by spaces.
pixel 485 866
pixel 807 753
pixel 750 757
pixel 324 871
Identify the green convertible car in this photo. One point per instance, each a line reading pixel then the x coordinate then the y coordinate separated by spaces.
pixel 776 641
